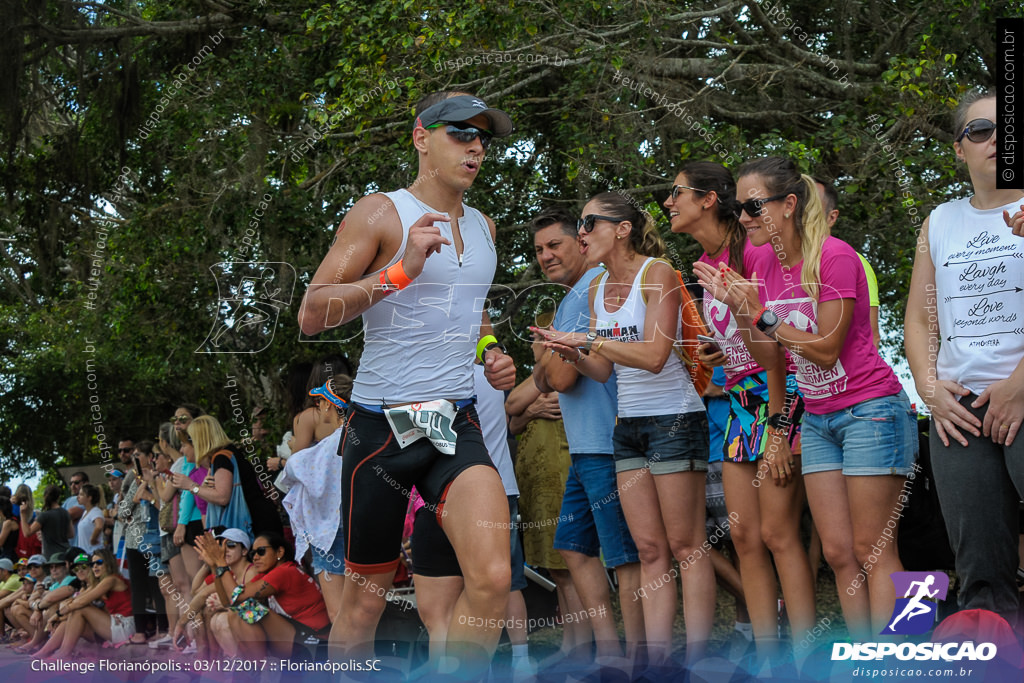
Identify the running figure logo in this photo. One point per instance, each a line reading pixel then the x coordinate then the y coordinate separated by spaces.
pixel 250 297
pixel 915 612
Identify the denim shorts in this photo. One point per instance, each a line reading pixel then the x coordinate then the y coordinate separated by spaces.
pixel 873 437
pixel 591 521
pixel 331 560
pixel 149 546
pixel 664 444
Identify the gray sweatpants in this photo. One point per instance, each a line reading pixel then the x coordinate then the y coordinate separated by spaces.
pixel 979 489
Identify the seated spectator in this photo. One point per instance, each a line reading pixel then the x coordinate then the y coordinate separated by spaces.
pixel 82 619
pixel 28 582
pixel 9 580
pixel 296 613
pixel 195 624
pixel 32 613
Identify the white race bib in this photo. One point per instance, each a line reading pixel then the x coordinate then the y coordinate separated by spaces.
pixel 432 420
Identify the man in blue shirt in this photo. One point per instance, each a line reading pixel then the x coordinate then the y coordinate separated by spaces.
pixel 591 521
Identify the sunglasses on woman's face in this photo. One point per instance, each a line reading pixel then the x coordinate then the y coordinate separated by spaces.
pixel 677 188
pixel 231 545
pixel 465 133
pixel 586 224
pixel 180 418
pixel 96 563
pixel 80 567
pixel 978 130
pixel 261 551
pixel 755 207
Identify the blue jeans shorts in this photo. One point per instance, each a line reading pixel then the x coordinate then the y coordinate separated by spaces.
pixel 331 560
pixel 149 546
pixel 873 437
pixel 662 443
pixel 591 521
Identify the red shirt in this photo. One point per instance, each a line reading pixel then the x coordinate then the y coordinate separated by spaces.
pixel 119 602
pixel 297 595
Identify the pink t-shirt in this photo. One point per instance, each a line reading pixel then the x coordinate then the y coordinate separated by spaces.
pixel 739 363
pixel 860 374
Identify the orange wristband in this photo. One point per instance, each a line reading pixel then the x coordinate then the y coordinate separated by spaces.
pixel 398 279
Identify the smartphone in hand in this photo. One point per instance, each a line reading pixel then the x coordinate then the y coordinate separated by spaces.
pixel 715 348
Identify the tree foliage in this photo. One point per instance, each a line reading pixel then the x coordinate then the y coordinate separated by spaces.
pixel 142 144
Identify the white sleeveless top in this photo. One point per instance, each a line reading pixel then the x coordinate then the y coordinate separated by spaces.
pixel 420 343
pixel 979 278
pixel 643 393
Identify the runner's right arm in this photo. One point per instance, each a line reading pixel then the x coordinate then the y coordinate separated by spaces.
pixel 340 291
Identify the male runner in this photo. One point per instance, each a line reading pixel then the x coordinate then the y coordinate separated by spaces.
pixel 417 265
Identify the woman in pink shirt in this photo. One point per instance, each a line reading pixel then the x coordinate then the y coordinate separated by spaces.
pixel 859 435
pixel 764 501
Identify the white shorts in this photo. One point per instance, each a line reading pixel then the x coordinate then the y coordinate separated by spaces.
pixel 122 628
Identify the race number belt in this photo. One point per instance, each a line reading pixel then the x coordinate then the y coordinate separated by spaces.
pixel 432 420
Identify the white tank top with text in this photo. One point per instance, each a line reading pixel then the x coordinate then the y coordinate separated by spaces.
pixel 643 393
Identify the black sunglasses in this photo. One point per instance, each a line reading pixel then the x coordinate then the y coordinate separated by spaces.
pixel 978 130
pixel 676 188
pixel 75 482
pixel 586 224
pixel 231 545
pixel 755 207
pixel 465 133
pixel 260 552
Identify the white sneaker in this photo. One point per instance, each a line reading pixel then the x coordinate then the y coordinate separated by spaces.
pixel 161 642
pixel 189 649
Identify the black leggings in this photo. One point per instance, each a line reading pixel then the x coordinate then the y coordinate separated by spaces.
pixel 144 588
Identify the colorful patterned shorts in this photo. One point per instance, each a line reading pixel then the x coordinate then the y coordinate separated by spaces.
pixel 748 416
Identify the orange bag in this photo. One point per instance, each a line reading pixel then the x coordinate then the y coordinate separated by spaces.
pixel 692 324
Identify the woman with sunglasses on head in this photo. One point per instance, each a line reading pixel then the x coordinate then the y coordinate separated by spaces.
pixel 703 204
pixel 969 267
pixel 82 619
pixel 206 602
pixel 298 607
pixel 662 427
pixel 859 435
pixel 183 416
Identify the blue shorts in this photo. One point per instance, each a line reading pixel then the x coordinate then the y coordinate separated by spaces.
pixel 591 520
pixel 331 560
pixel 874 437
pixel 662 443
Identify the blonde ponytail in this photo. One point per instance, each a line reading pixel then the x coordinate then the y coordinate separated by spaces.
pixel 813 230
